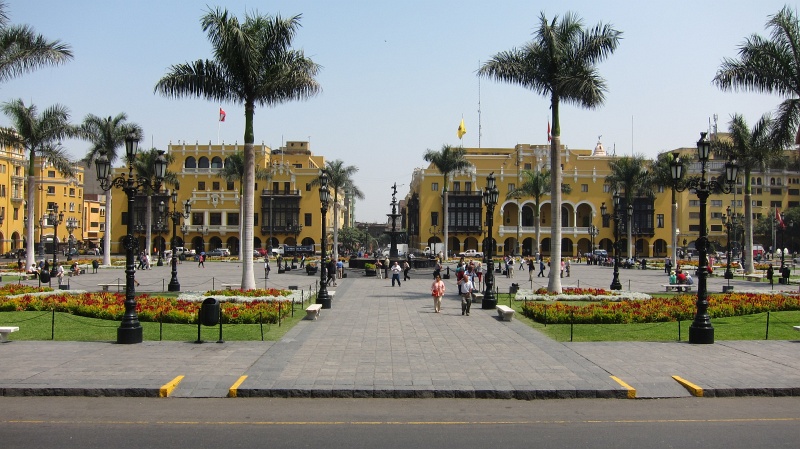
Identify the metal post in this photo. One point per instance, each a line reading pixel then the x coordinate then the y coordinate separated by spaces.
pixel 322 296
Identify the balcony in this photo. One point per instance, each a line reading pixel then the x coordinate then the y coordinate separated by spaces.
pixel 279 192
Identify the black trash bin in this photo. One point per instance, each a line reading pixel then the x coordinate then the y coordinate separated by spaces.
pixel 514 288
pixel 209 312
pixel 44 277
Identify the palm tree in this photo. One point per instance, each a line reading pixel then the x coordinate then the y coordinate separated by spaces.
pixel 340 178
pixel 144 168
pixel 39 135
pixel 661 175
pixel 560 62
pixel 753 149
pixel 447 160
pixel 106 136
pixel 770 66
pixel 22 50
pixel 536 184
pixel 233 171
pixel 253 64
pixel 629 177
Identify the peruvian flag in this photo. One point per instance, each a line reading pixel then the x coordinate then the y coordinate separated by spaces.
pixel 778 218
pixel 221 115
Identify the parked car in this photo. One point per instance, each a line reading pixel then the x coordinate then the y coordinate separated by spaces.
pixel 471 253
pixel 219 252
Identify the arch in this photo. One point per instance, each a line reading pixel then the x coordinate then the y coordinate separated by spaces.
pixel 198 245
pixel 256 243
pixel 273 243
pixel 202 162
pixel 527 246
pixel 527 214
pixel 509 245
pixel 308 241
pixel 470 243
pixel 623 247
pixel 585 214
pixel 290 241
pixel 565 216
pixel 216 162
pixel 567 249
pixel 642 248
pixel 159 244
pixel 489 242
pixel 227 161
pixel 233 245
pixel 434 239
pixel 178 241
pixel 214 243
pixel 190 162
pixel 454 245
pixel 546 246
pixel 584 246
pixel 15 241
pixel 606 244
pixel 660 248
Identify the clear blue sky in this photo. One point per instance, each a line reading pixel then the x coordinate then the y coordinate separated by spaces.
pixel 398 76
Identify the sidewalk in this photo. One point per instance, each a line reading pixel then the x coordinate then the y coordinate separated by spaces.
pixel 384 341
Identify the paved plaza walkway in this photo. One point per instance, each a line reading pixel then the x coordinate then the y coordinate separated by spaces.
pixel 384 341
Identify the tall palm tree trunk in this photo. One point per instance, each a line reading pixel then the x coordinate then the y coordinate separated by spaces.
pixel 747 250
pixel 148 234
pixel 538 231
pixel 248 199
pixel 554 283
pixel 30 251
pixel 335 251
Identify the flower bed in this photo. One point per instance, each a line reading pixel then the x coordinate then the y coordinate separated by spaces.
pixel 578 294
pixel 20 289
pixel 110 306
pixel 680 307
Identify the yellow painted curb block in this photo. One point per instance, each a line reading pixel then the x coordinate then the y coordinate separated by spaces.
pixel 694 389
pixel 232 392
pixel 167 388
pixel 631 390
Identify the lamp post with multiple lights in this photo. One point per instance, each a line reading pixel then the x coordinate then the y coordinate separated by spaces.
pixel 72 224
pixel 130 330
pixel 324 197
pixel 56 218
pixel 616 215
pixel 729 221
pixel 701 331
pixel 490 198
pixel 176 215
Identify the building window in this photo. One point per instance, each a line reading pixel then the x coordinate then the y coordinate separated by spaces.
pixel 203 162
pixel 255 220
pixel 233 218
pixel 201 185
pixel 198 218
pixel 584 188
pixel 215 185
pixel 216 162
pixel 716 203
pixel 307 219
pixel 468 186
pixel 777 204
pixel 229 186
pixel 456 186
pixel 527 166
pixel 215 218
pixel 2 190
pixel 606 188
pixel 660 220
pixel 72 207
pixel 308 187
pixel 190 162
pixel 435 186
pixel 51 173
pixel 51 190
pixel 694 203
pixel 694 215
pixel 511 187
pixel 16 213
pixel 71 191
pixel 434 218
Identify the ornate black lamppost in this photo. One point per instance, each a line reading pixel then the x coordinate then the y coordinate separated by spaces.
pixel 593 232
pixel 324 196
pixel 56 218
pixel 72 224
pixel 701 331
pixel 176 215
pixel 130 330
pixel 162 215
pixel 782 227
pixel 490 197
pixel 616 215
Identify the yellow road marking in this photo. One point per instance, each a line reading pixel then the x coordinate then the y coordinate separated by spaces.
pixel 167 388
pixel 631 390
pixel 694 389
pixel 235 387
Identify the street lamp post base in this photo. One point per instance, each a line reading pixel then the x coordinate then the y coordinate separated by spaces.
pixel 176 287
pixel 129 335
pixel 701 335
pixel 489 303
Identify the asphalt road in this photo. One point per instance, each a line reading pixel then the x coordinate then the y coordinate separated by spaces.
pixel 398 423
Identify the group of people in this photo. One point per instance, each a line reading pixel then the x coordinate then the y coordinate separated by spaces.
pixel 680 277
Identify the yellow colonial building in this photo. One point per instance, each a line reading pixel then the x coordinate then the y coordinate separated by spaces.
pixel 585 172
pixel 287 205
pixel 13 165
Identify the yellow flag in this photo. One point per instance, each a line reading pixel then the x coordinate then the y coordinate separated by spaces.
pixel 461 129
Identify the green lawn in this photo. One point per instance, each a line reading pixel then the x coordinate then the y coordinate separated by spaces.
pixel 750 327
pixel 40 326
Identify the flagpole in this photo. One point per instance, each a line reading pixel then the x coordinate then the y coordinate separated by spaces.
pixel 219 127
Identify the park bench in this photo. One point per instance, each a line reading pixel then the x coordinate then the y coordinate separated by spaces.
pixel 117 285
pixel 312 311
pixel 4 331
pixel 505 313
pixel 797 328
pixel 231 286
pixel 677 287
pixel 754 277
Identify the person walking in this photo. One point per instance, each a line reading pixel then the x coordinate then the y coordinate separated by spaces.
pixel 541 269
pixel 567 267
pixel 340 268
pixel 303 261
pixel 396 273
pixel 437 291
pixel 465 289
pixel 60 273
pixel 406 269
pixel 331 273
pixel 266 267
pixel 479 274
pixel 531 269
pixel 387 265
pixel 770 275
pixel 201 260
